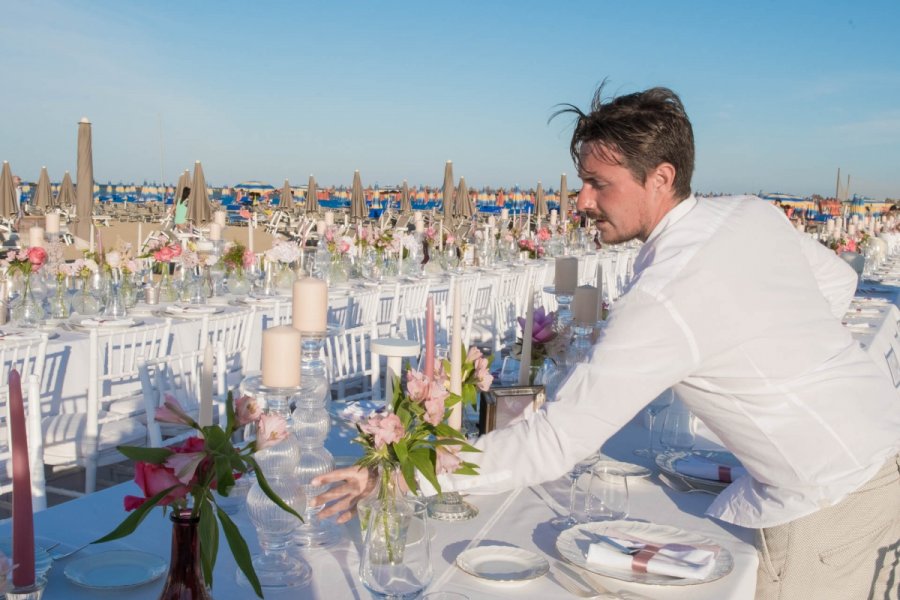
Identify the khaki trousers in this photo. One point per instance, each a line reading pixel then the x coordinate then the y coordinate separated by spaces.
pixel 849 551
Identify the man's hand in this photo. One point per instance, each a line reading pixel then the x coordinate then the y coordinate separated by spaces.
pixel 355 484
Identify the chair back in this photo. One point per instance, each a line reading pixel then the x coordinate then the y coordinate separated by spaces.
pixel 352 372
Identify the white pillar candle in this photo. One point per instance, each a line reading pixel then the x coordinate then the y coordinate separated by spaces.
pixel 492 221
pixel 441 235
pixel 309 305
pixel 51 222
pixel 584 306
pixel 346 220
pixel 565 278
pixel 281 357
pixel 36 237
pixel 220 218
pixel 215 232
pixel 525 357
pixel 455 350
pixel 250 235
pixel 553 218
pixel 140 238
pixel 504 213
pixel 92 238
pixel 320 227
pixel 205 417
pixel 329 217
pixel 420 226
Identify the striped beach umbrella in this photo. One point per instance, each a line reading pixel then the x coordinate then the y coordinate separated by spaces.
pixel 199 211
pixel 357 200
pixel 42 197
pixel 66 196
pixel 312 196
pixel 84 190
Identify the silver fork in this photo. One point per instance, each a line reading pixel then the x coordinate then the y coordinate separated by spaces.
pixel 575 586
pixel 682 486
pixel 61 555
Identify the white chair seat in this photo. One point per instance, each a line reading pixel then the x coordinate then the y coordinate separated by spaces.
pixel 127 407
pixel 64 436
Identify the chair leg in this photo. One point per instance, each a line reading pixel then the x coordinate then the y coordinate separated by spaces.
pixel 90 475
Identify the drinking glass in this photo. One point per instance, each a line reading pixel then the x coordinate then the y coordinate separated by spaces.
pixel 678 429
pixel 607 497
pixel 662 402
pixel 582 467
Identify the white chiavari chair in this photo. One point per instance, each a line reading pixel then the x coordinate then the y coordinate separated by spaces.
pixel 352 370
pixel 413 304
pixel 114 410
pixel 179 375
pixel 27 357
pixel 230 333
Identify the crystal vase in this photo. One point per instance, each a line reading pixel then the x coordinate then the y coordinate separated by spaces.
pixel 167 290
pixel 84 303
pixel 185 578
pixel 59 303
pixel 238 284
pixel 28 311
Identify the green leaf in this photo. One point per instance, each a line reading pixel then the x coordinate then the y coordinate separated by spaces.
pixel 154 456
pixel 424 462
pixel 209 542
pixel 401 450
pixel 239 550
pixel 445 431
pixel 264 486
pixel 470 394
pixel 408 470
pixel 224 475
pixel 215 438
pixel 131 522
pixel 229 414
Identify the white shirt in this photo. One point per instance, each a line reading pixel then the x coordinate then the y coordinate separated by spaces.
pixel 741 314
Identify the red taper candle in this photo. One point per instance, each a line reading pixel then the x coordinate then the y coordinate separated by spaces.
pixel 22 516
pixel 429 339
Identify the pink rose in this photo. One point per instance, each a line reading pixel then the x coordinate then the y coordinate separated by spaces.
pixel 270 430
pixel 247 410
pixel 153 479
pixel 37 256
pixel 543 234
pixel 386 429
pixel 248 259
pixel 172 412
pixel 176 250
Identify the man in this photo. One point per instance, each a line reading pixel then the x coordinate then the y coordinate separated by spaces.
pixel 740 314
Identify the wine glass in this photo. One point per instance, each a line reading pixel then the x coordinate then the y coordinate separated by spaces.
pixel 678 429
pixel 582 467
pixel 662 402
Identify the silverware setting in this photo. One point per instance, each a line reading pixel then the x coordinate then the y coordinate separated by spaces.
pixel 584 584
pixel 611 543
pixel 680 485
pixel 61 555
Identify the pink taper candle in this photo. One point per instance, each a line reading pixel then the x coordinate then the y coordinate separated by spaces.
pixel 22 516
pixel 429 339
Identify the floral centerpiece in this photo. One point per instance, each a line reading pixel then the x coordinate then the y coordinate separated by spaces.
pixel 237 257
pixel 546 342
pixel 25 261
pixel 191 476
pixel 533 249
pixel 842 244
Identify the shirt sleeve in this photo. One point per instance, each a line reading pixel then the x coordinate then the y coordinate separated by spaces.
pixel 645 349
pixel 837 280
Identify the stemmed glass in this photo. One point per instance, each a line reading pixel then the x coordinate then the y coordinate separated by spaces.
pixel 662 402
pixel 582 467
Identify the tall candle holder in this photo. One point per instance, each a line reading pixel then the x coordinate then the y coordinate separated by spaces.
pixel 276 566
pixel 580 348
pixel 311 424
pixel 564 306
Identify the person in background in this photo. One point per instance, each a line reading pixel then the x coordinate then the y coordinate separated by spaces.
pixel 740 315
pixel 181 209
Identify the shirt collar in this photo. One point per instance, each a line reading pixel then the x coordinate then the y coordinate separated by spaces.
pixel 672 217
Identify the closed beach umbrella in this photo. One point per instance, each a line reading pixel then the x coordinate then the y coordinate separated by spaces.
pixel 448 191
pixel 42 196
pixel 198 202
pixel 464 206
pixel 563 198
pixel 183 182
pixel 66 196
pixel 357 200
pixel 84 188
pixel 8 206
pixel 312 196
pixel 540 201
pixel 287 198
pixel 405 205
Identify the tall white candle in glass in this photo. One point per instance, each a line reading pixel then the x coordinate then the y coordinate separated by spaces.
pixel 51 222
pixel 566 276
pixel 36 237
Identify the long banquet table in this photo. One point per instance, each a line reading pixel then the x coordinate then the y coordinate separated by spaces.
pixel 520 518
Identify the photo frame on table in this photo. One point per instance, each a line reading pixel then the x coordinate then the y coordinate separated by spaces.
pixel 502 406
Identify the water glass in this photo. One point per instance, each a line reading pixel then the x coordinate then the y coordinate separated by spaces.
pixel 607 498
pixel 678 429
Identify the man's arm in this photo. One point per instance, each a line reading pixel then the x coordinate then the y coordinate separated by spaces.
pixel 837 280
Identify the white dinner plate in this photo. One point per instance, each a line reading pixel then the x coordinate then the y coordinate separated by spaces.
pixel 502 563
pixel 573 546
pixel 103 323
pixel 625 469
pixel 667 462
pixel 261 300
pixel 116 570
pixel 191 311
pixel 42 560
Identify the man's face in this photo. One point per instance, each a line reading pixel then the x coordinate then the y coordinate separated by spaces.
pixel 622 207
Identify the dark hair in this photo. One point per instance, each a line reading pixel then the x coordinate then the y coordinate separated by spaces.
pixel 646 128
pixel 185 193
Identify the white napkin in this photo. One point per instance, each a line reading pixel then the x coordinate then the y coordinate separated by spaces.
pixel 659 559
pixel 99 322
pixel 199 309
pixel 703 468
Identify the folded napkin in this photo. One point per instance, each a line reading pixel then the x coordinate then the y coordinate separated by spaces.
pixel 703 468
pixel 199 309
pixel 674 560
pixel 98 322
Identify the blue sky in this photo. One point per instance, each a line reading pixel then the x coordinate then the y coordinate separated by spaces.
pixel 781 94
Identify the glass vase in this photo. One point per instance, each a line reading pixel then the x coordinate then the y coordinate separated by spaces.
pixel 238 284
pixel 396 554
pixel 167 290
pixel 84 303
pixel 59 303
pixel 185 578
pixel 28 311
